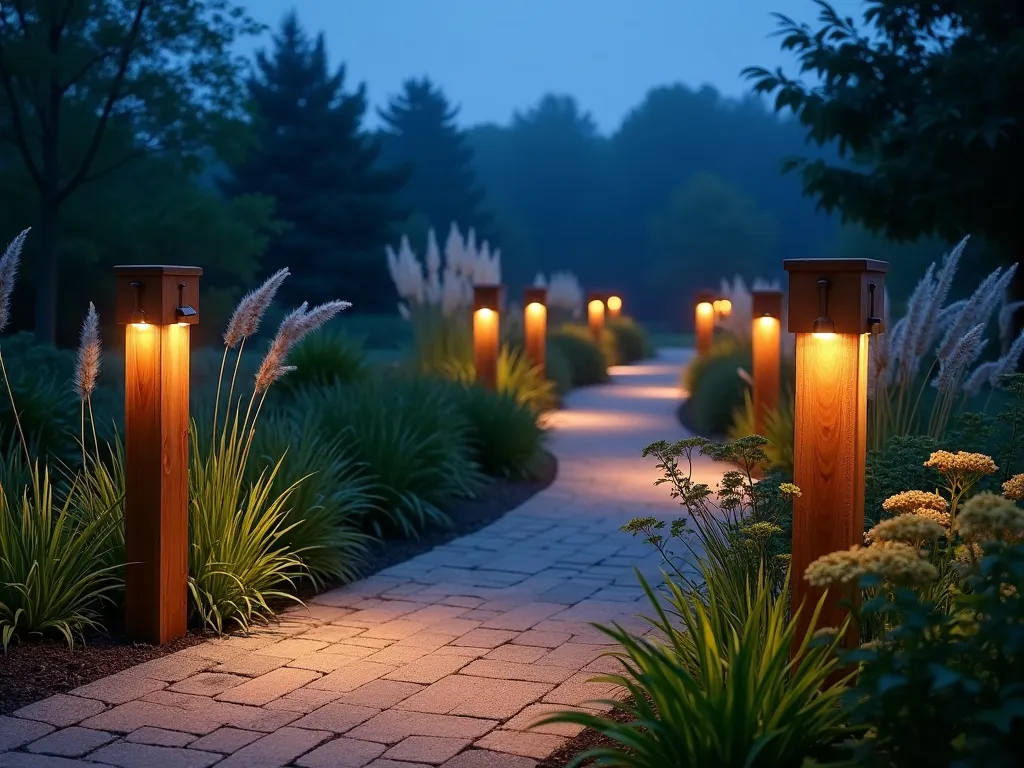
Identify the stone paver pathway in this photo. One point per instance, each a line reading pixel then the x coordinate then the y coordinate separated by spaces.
pixel 446 659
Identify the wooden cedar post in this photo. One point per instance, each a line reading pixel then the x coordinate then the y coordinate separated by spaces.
pixel 535 325
pixel 157 304
pixel 704 322
pixel 766 336
pixel 834 306
pixel 595 315
pixel 486 336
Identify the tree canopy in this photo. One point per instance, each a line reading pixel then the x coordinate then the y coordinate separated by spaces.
pixel 314 158
pixel 421 131
pixel 923 102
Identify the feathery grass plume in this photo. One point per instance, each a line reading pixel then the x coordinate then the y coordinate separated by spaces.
pixel 245 320
pixel 961 357
pixel 1008 363
pixel 87 367
pixel 9 264
pixel 975 307
pixel 1006 314
pixel 285 338
pixel 979 377
pixel 914 327
pixel 943 284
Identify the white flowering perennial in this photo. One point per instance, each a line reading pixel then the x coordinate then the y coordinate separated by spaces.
pixel 564 292
pixel 445 284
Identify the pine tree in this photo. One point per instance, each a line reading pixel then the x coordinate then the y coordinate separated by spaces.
pixel 339 205
pixel 421 130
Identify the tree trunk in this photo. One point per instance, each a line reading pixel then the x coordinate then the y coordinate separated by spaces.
pixel 46 270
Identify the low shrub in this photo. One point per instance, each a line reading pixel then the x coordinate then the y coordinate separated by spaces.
pixel 414 441
pixel 330 493
pixel 717 390
pixel 506 437
pixel 324 359
pixel 558 370
pixel 518 378
pixel 587 362
pixel 55 574
pixel 631 340
pixel 778 430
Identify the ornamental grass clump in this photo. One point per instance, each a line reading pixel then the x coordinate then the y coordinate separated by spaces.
pixel 925 367
pixel 239 526
pixel 715 683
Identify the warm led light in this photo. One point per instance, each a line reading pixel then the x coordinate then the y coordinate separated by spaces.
pixel 485 313
pixel 705 308
pixel 534 308
pixel 824 336
pixel 767 321
pixel 140 326
pixel 596 305
pixel 716 305
pixel 725 306
pixel 614 303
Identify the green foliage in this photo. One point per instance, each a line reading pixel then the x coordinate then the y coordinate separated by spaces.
pixel 709 220
pixel 324 359
pixel 778 430
pixel 238 560
pixel 943 687
pixel 722 690
pixel 715 684
pixel 518 379
pixel 412 438
pixel 327 180
pixel 98 494
pixel 54 571
pixel 558 370
pixel 504 433
pixel 899 467
pixel 421 130
pixel 327 491
pixel 716 388
pixel 631 341
pixel 587 361
pixel 916 171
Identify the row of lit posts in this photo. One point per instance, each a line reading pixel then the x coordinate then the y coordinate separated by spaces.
pixel 835 305
pixel 487 334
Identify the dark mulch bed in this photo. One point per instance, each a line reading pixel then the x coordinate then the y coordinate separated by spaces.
pixel 34 670
pixel 586 740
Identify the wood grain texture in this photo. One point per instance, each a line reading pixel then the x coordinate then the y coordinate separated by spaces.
pixel 535 323
pixel 704 327
pixel 485 347
pixel 156 481
pixel 830 448
pixel 766 335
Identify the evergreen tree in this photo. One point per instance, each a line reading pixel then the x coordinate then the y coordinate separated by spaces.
pixel 313 157
pixel 421 131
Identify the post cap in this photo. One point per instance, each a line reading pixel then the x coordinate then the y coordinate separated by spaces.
pixel 161 294
pixel 847 293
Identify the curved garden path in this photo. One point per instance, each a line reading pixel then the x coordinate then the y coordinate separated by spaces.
pixel 445 659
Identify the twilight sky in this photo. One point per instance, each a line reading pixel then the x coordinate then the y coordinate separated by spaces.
pixel 496 56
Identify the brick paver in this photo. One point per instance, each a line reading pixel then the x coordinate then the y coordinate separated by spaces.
pixel 444 660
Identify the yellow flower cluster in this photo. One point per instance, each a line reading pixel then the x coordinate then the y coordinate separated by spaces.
pixel 1014 488
pixel 789 490
pixel 987 516
pixel 761 531
pixel 909 528
pixel 912 501
pixel 893 561
pixel 940 518
pixel 961 463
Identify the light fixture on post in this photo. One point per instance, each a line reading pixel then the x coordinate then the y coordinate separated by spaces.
pixel 614 305
pixel 157 304
pixel 595 315
pixel 704 322
pixel 766 336
pixel 834 307
pixel 486 303
pixel 535 325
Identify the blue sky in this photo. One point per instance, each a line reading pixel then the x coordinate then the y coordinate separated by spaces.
pixel 495 56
